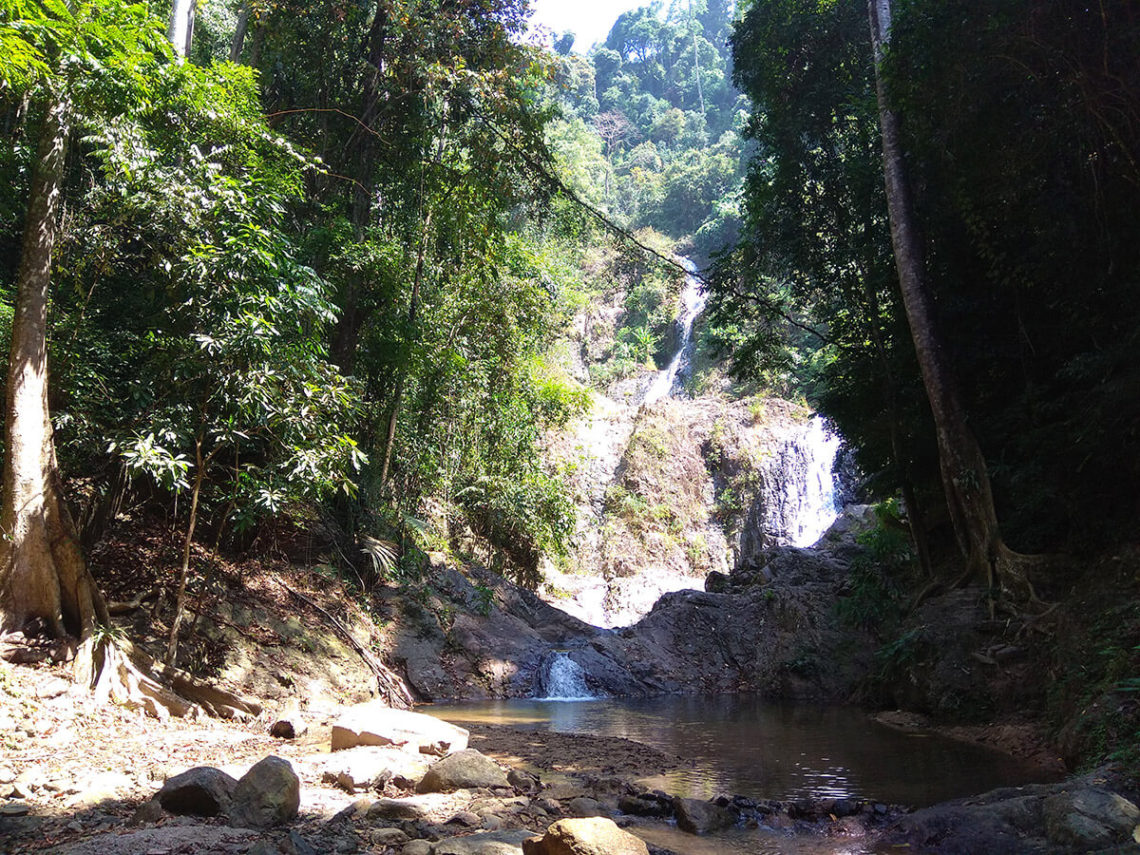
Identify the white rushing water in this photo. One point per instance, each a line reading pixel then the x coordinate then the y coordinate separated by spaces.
pixel 693 303
pixel 562 679
pixel 814 496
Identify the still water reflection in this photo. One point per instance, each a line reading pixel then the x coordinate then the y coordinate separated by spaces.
pixel 766 750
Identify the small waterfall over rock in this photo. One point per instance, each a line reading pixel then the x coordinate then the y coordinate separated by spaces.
pixel 693 303
pixel 560 678
pixel 814 494
pixel 797 502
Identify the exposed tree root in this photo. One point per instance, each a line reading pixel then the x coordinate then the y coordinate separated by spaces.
pixel 127 675
pixel 389 684
pixel 1007 576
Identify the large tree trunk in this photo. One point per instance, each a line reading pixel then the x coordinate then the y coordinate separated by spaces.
pixel 43 577
pixel 362 148
pixel 237 45
pixel 181 28
pixel 42 573
pixel 965 478
pixel 413 308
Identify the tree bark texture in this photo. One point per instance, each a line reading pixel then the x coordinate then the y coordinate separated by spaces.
pixel 238 43
pixel 181 28
pixel 965 478
pixel 42 572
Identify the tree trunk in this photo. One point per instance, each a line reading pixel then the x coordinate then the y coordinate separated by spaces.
pixel 413 308
pixel 181 28
pixel 965 478
pixel 187 545
pixel 362 148
pixel 42 573
pixel 44 581
pixel 238 43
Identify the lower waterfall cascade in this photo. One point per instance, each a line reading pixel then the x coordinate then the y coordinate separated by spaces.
pixel 560 678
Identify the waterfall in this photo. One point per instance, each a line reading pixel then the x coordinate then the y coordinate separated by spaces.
pixel 560 678
pixel 797 501
pixel 693 303
pixel 816 507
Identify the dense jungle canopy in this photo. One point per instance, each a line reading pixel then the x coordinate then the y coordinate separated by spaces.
pixel 308 264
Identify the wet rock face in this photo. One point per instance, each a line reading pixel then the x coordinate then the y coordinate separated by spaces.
pixel 701 817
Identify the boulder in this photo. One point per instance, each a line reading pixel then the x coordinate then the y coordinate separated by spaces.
pixel 486 843
pixel 388 837
pixel 644 806
pixel 463 770
pixel 585 806
pixel 590 836
pixel 1089 818
pixel 414 808
pixel 201 791
pixel 370 768
pixel 289 724
pixel 268 794
pixel 374 723
pixel 699 817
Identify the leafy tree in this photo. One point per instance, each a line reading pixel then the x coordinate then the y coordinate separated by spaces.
pixel 80 62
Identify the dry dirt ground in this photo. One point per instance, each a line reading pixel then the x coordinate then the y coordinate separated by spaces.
pixel 72 768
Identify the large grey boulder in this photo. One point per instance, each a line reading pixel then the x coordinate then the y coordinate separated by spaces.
pixel 700 817
pixel 375 723
pixel 427 808
pixel 201 791
pixel 1089 818
pixel 591 836
pixel 460 771
pixel 268 794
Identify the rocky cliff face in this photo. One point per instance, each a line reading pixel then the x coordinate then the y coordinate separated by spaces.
pixel 771 627
pixel 671 491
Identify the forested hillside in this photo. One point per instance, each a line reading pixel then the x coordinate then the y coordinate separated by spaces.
pixel 1018 135
pixel 356 273
pixel 315 269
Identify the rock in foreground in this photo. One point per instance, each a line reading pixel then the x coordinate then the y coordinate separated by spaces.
pixel 267 795
pixel 462 770
pixel 375 723
pixel 201 791
pixel 1074 816
pixel 592 836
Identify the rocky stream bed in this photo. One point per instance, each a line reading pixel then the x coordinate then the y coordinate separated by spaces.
pixel 82 778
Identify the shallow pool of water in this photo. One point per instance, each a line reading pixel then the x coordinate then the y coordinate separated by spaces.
pixel 748 746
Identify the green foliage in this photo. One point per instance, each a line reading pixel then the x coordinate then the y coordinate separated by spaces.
pixel 1025 197
pixel 484 599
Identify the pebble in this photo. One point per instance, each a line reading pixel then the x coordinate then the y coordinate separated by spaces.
pixel 7 775
pixel 417 847
pixel 14 809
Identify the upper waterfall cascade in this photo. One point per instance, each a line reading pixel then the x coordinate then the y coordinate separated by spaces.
pixel 693 301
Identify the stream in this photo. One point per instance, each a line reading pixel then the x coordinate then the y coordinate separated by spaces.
pixel 749 746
